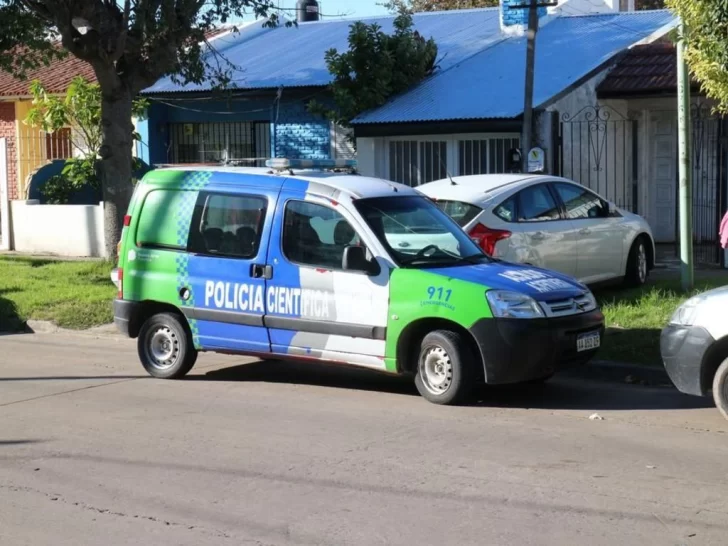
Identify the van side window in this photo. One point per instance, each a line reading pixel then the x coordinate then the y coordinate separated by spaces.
pixel 227 225
pixel 316 235
pixel 158 225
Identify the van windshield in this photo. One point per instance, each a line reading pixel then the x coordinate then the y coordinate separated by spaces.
pixel 417 233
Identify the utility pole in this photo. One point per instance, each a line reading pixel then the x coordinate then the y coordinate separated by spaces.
pixel 527 130
pixel 685 183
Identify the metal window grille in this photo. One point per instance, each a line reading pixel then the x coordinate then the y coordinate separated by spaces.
pixel 244 143
pixel 485 156
pixel 415 162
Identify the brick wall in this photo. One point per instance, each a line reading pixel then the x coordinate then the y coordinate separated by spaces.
pixel 510 17
pixel 7 130
pixel 300 134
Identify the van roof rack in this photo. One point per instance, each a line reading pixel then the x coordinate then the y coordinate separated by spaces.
pixel 285 164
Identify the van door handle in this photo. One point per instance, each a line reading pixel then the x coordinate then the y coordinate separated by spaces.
pixel 261 271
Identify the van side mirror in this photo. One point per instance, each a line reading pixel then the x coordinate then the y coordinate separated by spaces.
pixel 355 259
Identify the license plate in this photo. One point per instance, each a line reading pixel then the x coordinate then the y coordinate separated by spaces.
pixel 587 342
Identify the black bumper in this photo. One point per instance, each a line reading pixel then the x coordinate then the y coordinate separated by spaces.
pixel 516 350
pixel 683 350
pixel 123 311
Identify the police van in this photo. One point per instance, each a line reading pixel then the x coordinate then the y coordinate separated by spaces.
pixel 309 260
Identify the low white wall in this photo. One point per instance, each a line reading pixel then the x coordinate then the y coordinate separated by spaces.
pixel 64 230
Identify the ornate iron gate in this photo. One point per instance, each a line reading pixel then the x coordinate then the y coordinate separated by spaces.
pixel 598 149
pixel 708 165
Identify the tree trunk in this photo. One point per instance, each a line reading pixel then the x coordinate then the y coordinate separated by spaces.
pixel 116 163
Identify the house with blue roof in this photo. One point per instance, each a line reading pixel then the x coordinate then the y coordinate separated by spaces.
pixel 466 118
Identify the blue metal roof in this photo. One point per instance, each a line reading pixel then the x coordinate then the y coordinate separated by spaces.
pixel 490 84
pixel 294 56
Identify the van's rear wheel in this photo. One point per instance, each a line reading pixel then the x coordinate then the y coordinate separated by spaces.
pixel 165 347
pixel 445 373
pixel 720 388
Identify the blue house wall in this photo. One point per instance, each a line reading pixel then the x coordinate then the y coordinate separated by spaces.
pixel 294 132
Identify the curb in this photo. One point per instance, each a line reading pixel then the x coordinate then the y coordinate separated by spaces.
pixel 47 327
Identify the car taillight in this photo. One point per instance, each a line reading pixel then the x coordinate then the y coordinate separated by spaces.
pixel 120 282
pixel 127 220
pixel 487 237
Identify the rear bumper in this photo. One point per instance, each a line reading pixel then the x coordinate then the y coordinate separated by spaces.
pixel 517 350
pixel 123 312
pixel 683 350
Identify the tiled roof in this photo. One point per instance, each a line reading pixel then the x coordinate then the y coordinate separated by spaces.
pixel 649 69
pixel 58 75
pixel 55 78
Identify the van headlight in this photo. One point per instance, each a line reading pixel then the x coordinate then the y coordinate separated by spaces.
pixel 505 304
pixel 686 313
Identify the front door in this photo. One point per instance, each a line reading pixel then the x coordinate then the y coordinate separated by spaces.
pixel 664 148
pixel 315 309
pixel 228 243
pixel 600 238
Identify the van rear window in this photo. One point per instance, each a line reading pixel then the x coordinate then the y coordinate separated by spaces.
pixel 160 212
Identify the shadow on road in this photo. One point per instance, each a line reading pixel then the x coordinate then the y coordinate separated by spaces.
pixel 560 393
pixel 4 443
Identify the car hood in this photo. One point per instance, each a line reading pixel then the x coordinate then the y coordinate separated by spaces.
pixel 540 284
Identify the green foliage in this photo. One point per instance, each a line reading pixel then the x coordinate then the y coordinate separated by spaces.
pixel 76 174
pixel 707 44
pixel 79 109
pixel 413 6
pixel 376 67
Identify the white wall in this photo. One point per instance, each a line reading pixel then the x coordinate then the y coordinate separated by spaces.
pixel 63 230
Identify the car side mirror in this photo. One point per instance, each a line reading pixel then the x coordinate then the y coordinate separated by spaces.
pixel 355 259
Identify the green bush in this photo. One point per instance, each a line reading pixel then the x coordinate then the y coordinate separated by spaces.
pixel 76 175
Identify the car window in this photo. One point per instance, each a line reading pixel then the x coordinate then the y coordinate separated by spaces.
pixel 580 203
pixel 316 235
pixel 461 212
pixel 227 225
pixel 158 224
pixel 536 204
pixel 506 210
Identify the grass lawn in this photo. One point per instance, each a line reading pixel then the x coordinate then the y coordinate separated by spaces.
pixel 72 294
pixel 639 315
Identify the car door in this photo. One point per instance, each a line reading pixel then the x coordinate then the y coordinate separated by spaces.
pixel 227 246
pixel 315 308
pixel 599 236
pixel 540 235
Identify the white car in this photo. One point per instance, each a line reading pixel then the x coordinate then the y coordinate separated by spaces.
pixel 694 347
pixel 549 222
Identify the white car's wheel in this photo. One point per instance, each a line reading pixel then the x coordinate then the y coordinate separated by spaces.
pixel 638 265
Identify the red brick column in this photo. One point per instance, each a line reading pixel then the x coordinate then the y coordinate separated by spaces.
pixel 7 130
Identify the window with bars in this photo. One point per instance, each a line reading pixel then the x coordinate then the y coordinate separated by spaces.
pixel 485 156
pixel 244 143
pixel 414 162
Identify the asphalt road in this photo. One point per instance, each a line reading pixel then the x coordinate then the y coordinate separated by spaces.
pixel 92 452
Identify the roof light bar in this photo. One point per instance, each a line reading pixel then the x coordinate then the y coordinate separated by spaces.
pixel 282 163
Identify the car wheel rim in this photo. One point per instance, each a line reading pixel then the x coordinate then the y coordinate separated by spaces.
pixel 642 263
pixel 436 370
pixel 163 348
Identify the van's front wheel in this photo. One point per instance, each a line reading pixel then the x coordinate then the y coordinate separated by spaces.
pixel 444 368
pixel 165 347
